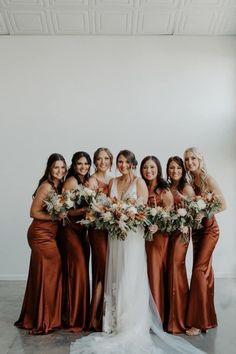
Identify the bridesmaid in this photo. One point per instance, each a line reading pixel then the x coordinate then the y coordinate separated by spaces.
pixel 75 252
pixel 159 195
pixel 41 309
pixel 99 181
pixel 178 288
pixel 201 310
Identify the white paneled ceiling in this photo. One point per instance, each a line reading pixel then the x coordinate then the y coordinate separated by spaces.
pixel 121 17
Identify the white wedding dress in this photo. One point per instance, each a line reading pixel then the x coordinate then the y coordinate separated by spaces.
pixel 131 323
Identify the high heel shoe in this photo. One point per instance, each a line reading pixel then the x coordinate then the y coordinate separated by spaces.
pixel 193 331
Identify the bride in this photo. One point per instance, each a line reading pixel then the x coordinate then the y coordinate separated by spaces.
pixel 131 323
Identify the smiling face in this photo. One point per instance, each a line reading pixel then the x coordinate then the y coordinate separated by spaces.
pixel 103 161
pixel 175 171
pixel 58 170
pixel 82 167
pixel 149 170
pixel 123 165
pixel 192 162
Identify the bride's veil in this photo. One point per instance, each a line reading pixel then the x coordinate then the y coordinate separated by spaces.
pixel 170 344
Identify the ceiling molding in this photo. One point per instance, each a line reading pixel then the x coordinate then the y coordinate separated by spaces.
pixel 118 17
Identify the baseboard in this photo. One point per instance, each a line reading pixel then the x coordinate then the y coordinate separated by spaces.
pixel 24 276
pixel 224 275
pixel 13 276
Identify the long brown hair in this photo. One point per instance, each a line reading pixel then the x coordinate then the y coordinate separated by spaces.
pixel 161 183
pixel 75 158
pixel 183 179
pixel 47 176
pixel 130 157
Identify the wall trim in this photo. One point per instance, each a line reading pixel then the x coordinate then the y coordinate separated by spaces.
pixel 12 277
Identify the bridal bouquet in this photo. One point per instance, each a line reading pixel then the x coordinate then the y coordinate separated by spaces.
pixel 123 216
pixel 157 216
pixel 118 217
pixel 58 203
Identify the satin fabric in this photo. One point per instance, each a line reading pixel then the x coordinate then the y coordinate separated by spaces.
pixel 75 256
pixel 41 309
pixel 156 251
pixel 98 241
pixel 178 288
pixel 201 310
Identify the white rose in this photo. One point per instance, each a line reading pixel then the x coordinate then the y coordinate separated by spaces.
pixel 153 212
pixel 69 203
pixel 123 217
pixel 107 216
pixel 182 211
pixel 184 230
pixel 59 204
pixel 201 204
pixel 164 214
pixel 124 205
pixel 132 210
pixel 57 208
pixel 102 199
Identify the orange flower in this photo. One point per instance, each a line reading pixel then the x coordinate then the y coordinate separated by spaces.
pixel 141 215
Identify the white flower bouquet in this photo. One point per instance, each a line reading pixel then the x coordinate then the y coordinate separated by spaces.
pixel 58 203
pixel 196 209
pixel 182 219
pixel 118 217
pixel 83 195
pixel 157 216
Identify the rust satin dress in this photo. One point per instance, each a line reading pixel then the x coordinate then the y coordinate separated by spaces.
pixel 98 243
pixel 41 309
pixel 157 261
pixel 74 248
pixel 178 289
pixel 201 310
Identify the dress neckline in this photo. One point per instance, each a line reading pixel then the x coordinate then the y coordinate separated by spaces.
pixel 125 192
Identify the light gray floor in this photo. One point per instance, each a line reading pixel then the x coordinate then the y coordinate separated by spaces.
pixel 15 341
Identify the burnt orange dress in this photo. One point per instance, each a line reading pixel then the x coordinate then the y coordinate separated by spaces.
pixel 201 310
pixel 41 309
pixel 178 289
pixel 75 256
pixel 98 243
pixel 157 261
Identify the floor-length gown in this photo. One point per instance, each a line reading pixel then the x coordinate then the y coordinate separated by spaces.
pixel 98 242
pixel 177 280
pixel 41 309
pixel 75 258
pixel 157 261
pixel 202 282
pixel 129 311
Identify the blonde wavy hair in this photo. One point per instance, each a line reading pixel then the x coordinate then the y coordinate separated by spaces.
pixel 202 166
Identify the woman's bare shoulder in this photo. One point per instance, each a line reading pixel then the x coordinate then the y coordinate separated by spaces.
pixel 70 183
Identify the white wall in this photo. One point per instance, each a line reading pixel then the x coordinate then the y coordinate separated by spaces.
pixel 153 95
